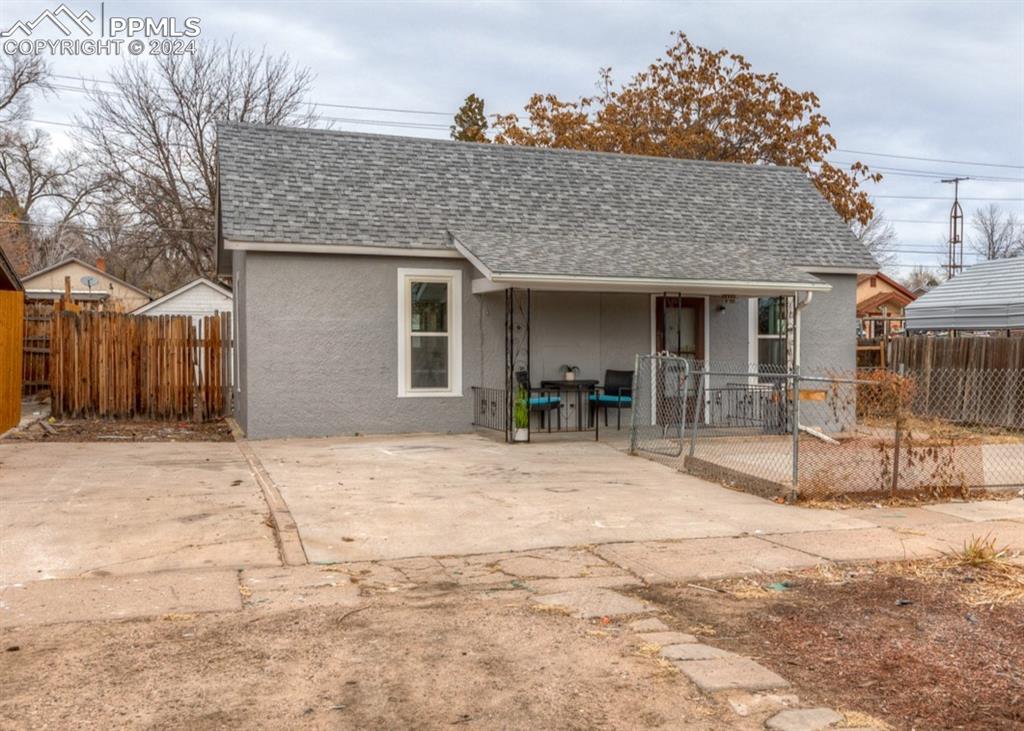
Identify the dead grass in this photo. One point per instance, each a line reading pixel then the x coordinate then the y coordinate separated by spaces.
pixel 918 645
pixel 984 573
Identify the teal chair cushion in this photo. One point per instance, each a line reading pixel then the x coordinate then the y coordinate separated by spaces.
pixel 606 398
pixel 544 400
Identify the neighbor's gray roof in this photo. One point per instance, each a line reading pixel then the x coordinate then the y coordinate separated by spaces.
pixel 526 210
pixel 986 296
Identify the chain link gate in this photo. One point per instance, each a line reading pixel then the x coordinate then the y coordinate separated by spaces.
pixel 662 388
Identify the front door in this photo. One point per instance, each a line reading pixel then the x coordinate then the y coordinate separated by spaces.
pixel 680 326
pixel 679 330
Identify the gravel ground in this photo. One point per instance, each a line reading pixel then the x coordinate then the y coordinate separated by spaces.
pixel 429 658
pixel 124 430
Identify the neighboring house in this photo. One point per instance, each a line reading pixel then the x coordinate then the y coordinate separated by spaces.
pixel 985 296
pixel 380 281
pixel 9 281
pixel 880 296
pixel 199 298
pixel 108 290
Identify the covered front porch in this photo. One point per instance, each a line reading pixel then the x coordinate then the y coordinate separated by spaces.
pixel 560 357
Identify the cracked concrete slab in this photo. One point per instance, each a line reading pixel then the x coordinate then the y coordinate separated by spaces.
pixel 873 544
pixel 982 509
pixel 952 536
pixel 704 559
pixel 589 603
pixel 297 586
pixel 119 597
pixel 114 509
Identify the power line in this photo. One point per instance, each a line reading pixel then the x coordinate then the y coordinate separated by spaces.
pixel 931 159
pixel 94 227
pixel 333 105
pixel 931 173
pixel 943 198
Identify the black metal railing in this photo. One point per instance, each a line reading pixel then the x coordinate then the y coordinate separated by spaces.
pixel 760 407
pixel 490 408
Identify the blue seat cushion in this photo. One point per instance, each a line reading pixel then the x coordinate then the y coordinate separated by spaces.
pixel 607 398
pixel 545 400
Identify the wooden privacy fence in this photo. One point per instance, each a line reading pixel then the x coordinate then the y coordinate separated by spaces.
pixel 36 370
pixel 11 322
pixel 114 365
pixel 925 352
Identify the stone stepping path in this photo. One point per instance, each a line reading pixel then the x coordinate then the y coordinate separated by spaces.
pixel 711 669
pixel 804 719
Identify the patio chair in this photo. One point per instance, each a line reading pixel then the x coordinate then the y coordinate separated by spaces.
pixel 542 404
pixel 616 393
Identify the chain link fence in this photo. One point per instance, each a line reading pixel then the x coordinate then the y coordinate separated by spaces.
pixel 827 434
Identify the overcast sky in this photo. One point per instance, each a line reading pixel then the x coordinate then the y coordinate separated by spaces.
pixel 935 80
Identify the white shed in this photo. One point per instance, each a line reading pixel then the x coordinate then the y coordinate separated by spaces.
pixel 199 298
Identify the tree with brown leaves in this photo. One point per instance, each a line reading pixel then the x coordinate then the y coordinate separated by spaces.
pixel 696 103
pixel 470 121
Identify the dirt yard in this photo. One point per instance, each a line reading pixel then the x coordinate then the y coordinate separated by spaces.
pixel 909 645
pixel 134 430
pixel 433 657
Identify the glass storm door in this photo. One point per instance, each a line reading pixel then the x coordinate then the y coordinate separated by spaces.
pixel 679 330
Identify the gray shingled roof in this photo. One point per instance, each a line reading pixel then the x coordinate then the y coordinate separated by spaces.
pixel 526 210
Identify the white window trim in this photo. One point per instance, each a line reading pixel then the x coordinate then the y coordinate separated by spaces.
pixel 453 278
pixel 754 336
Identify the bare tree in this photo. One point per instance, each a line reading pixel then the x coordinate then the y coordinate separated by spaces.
pixel 921 277
pixel 996 235
pixel 19 76
pixel 879 237
pixel 154 138
pixel 46 196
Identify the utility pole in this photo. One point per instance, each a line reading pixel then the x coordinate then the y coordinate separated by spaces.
pixel 955 258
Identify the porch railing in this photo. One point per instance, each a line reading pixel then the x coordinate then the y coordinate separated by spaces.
pixel 572 414
pixel 490 408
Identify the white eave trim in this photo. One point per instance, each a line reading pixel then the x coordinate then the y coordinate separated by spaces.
pixel 837 270
pixel 342 249
pixel 637 284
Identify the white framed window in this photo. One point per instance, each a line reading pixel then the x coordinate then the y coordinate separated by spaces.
pixel 770 330
pixel 429 332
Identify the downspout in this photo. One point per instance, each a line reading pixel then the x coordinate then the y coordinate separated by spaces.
pixel 796 324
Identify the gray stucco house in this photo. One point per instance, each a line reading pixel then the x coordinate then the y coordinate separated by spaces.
pixel 383 283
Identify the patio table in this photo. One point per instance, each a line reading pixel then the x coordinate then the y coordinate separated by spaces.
pixel 581 386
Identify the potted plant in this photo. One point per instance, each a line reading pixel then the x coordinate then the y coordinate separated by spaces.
pixel 521 416
pixel 569 372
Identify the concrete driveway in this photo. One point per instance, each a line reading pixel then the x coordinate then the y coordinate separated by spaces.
pixel 95 509
pixel 368 498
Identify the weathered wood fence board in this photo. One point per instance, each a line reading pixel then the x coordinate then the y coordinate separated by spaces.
pixel 114 365
pixel 969 380
pixel 36 360
pixel 923 352
pixel 12 318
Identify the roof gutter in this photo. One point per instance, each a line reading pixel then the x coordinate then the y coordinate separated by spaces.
pixel 645 284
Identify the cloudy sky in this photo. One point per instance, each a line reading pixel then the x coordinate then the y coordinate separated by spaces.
pixel 941 80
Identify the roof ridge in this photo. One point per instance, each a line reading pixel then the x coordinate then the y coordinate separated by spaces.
pixel 495 146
